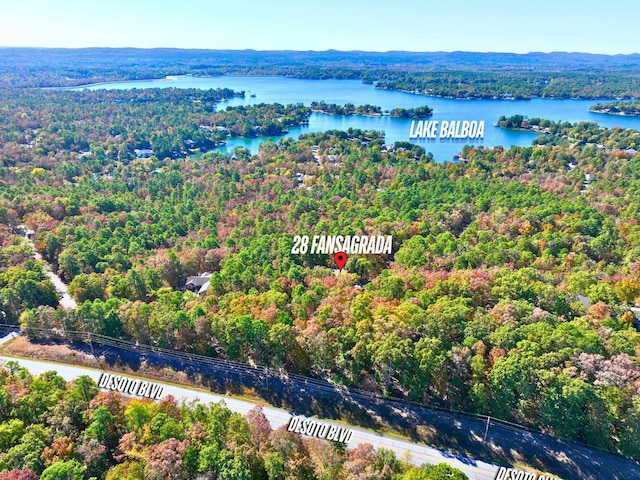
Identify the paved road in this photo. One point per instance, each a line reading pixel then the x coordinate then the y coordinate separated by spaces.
pixel 475 469
pixel 66 300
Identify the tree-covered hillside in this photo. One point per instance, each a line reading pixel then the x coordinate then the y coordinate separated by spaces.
pixel 508 292
pixel 446 74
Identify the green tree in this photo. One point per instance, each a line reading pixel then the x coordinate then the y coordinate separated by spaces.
pixel 126 471
pixel 87 287
pixel 69 470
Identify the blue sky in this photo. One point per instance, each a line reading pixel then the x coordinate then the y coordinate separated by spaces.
pixel 504 26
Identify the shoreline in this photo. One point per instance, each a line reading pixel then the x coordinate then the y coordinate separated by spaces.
pixel 617 114
pixel 369 115
pixel 413 92
pixel 522 129
pixel 351 114
pixel 526 99
pixel 166 78
pixel 450 97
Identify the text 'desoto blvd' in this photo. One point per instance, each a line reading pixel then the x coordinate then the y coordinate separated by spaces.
pixel 315 428
pixel 131 386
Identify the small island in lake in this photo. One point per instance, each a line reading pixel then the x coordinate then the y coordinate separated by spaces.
pixel 519 122
pixel 418 112
pixel 631 109
pixel 346 109
pixel 370 110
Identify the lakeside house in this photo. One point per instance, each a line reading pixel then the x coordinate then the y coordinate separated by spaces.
pixel 25 232
pixel 143 152
pixel 198 283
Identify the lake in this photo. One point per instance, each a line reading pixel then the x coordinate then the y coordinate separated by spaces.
pixel 290 90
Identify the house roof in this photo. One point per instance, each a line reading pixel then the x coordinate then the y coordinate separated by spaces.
pixel 204 287
pixel 198 280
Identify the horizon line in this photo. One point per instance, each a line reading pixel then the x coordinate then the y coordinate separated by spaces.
pixel 536 52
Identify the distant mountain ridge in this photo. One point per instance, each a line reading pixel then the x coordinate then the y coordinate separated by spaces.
pixel 328 57
pixel 57 67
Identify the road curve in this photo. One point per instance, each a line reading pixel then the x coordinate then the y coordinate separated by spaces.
pixel 66 300
pixel 420 453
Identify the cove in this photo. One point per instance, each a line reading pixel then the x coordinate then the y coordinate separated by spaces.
pixel 291 90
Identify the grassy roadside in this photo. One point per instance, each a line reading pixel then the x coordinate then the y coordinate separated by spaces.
pixel 15 349
pixel 55 354
pixel 21 348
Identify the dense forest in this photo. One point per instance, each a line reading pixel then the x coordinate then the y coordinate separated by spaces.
pixel 45 127
pixel 452 75
pixel 508 291
pixel 512 84
pixel 261 119
pixel 23 283
pixel 54 430
pixel 617 108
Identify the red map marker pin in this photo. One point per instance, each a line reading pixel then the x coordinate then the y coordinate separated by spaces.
pixel 340 259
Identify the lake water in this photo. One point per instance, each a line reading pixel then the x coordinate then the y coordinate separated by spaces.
pixel 289 90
